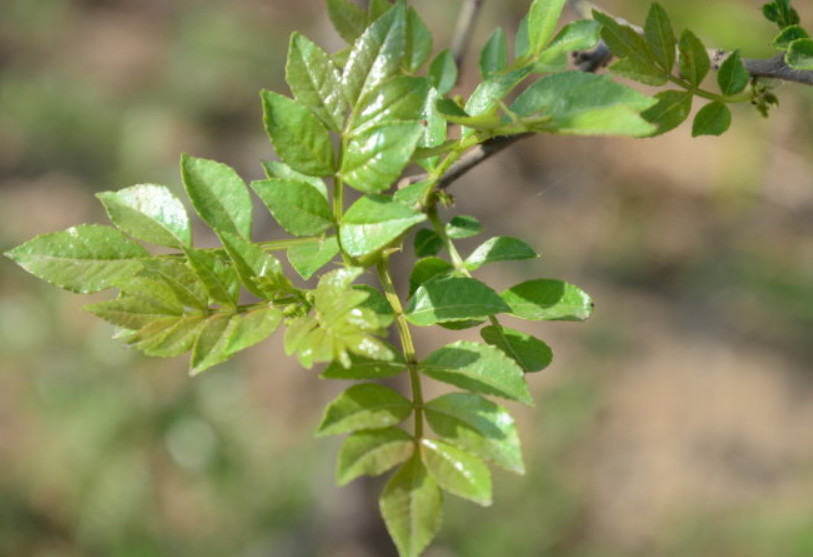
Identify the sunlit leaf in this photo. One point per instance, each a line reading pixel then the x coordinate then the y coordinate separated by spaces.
pixel 494 56
pixel 582 34
pixel 452 299
pixel 364 406
pixel 362 368
pixel 296 205
pixel 372 452
pixel 543 17
pixel 530 353
pixel 426 269
pixel 443 72
pixel 418 41
pixel 800 54
pixel 217 275
pixel 260 272
pixel 376 157
pixel 499 248
pixel 548 299
pixel 278 169
pixel 307 258
pixel 315 81
pixel 457 471
pixel 150 213
pixel 373 222
pixel 463 226
pixel 348 19
pixel 400 98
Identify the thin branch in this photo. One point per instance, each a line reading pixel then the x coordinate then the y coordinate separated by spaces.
pixel 776 68
pixel 464 29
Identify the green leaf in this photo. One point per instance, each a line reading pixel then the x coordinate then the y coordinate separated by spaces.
pixel 582 34
pixel 150 213
pixel 485 98
pixel 426 242
pixel 145 301
pixel 781 13
pixel 362 368
pixel 644 73
pixel 660 37
pixel 529 352
pixel 671 110
pixel 411 507
pixel 217 275
pixel 733 77
pixel 452 299
pixel 377 8
pixel 376 157
pixel 277 169
pixel 694 61
pixel 400 98
pixel 443 72
pixel 210 346
pixel 788 35
pixel 296 205
pixel 376 55
pixel 364 406
pixel 372 452
pixel 218 194
pixel 378 304
pixel 494 56
pixel 425 270
pixel 373 222
pixel 623 40
pixel 800 54
pixel 549 300
pixel 585 104
pixel 418 42
pixel 82 259
pixel 168 337
pixel 299 137
pixel 308 258
pixel 315 81
pixel 522 40
pixel 712 119
pixel 348 19
pixel 499 248
pixel 260 272
pixel 180 278
pixel 478 426
pixel 543 16
pixel 457 471
pixel 463 226
pixel 478 368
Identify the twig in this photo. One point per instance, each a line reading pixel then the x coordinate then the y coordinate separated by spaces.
pixel 464 29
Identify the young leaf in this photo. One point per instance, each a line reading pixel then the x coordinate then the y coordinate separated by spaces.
pixel 373 222
pixel 372 452
pixel 522 42
pixel 210 346
pixel 308 258
pixel 277 169
pixel 299 137
pixel 168 337
pixel 376 55
pixel 529 352
pixel 478 368
pixel 364 406
pixel 548 299
pixel 418 42
pixel 376 157
pixel 348 19
pixel 297 206
pixel 426 269
pixel 660 37
pixel 362 368
pixel 499 248
pixel 452 299
pixel 800 54
pixel 485 98
pixel 143 301
pixel 217 275
pixel 582 34
pixel 150 213
pixel 788 35
pixel 81 259
pixel 377 303
pixel 443 72
pixel 178 276
pixel 712 119
pixel 463 226
pixel 411 507
pixel 694 61
pixel 426 243
pixel 733 76
pixel 260 272
pixel 479 426
pixel 400 98
pixel 218 194
pixel 671 110
pixel 494 56
pixel 377 8
pixel 543 16
pixel 315 81
pixel 457 471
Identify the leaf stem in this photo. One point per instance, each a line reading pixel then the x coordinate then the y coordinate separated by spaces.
pixel 407 345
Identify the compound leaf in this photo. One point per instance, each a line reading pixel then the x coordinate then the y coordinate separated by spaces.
pixel 296 205
pixel 150 213
pixel 400 98
pixel 499 248
pixel 529 352
pixel 376 157
pixel 218 195
pixel 260 272
pixel 315 81
pixel 364 406
pixel 217 275
pixel 457 471
pixel 549 300
pixel 372 452
pixel 445 299
pixel 373 222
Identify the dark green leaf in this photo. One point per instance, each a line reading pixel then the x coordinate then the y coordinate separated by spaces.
pixel 372 452
pixel 499 248
pixel 376 55
pixel 457 471
pixel 463 226
pixel 733 77
pixel 299 137
pixel 494 56
pixel 373 222
pixel 712 119
pixel 788 35
pixel 443 72
pixel 632 68
pixel 427 242
pixel 694 61
pixel 82 259
pixel 400 98
pixel 660 37
pixel 781 13
pixel 315 81
pixel 218 194
pixel 426 269
pixel 150 213
pixel 297 206
pixel 549 300
pixel 259 271
pixel 411 507
pixel 452 299
pixel 478 368
pixel 364 406
pixel 543 17
pixel 800 54
pixel 217 275
pixel 348 19
pixel 623 40
pixel 277 169
pixel 308 258
pixel 376 157
pixel 672 109
pixel 529 352
pixel 478 426
pixel 418 42
pixel 362 368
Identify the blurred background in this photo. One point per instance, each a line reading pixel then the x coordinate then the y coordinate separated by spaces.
pixel 677 421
